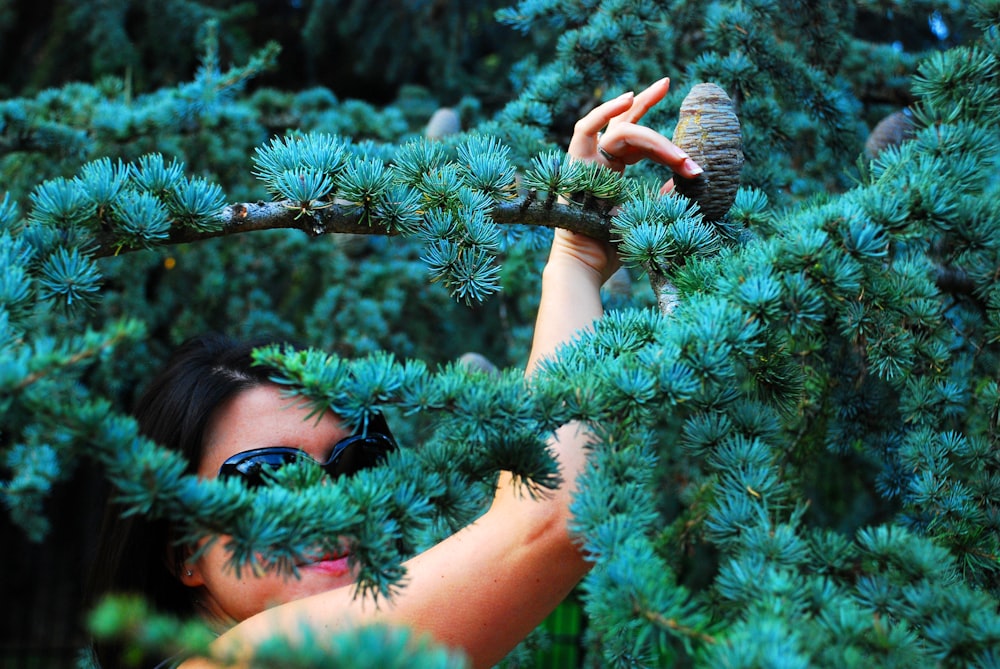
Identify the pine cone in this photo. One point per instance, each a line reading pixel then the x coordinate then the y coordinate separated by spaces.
pixel 477 362
pixel 445 121
pixel 893 130
pixel 709 131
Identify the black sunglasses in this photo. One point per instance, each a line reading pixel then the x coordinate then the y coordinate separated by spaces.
pixel 366 448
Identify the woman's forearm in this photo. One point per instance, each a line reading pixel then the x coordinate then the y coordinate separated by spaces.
pixel 570 301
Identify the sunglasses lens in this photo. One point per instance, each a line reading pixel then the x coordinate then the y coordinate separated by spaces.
pixel 357 453
pixel 252 464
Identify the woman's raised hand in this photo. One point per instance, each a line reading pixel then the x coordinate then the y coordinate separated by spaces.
pixel 625 142
pixel 622 142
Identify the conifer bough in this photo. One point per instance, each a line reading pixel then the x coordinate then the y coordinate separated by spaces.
pixel 709 131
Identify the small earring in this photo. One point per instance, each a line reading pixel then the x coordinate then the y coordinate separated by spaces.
pixel 189 572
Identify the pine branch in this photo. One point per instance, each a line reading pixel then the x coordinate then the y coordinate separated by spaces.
pixel 663 288
pixel 45 136
pixel 79 356
pixel 672 625
pixel 343 219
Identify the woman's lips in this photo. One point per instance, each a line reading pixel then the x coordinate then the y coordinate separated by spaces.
pixel 334 566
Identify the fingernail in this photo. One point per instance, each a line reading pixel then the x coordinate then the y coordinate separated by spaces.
pixel 691 167
pixel 625 95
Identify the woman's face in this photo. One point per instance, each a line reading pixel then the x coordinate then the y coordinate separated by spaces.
pixel 257 418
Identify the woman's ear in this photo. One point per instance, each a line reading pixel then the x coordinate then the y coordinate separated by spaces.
pixel 179 562
pixel 190 575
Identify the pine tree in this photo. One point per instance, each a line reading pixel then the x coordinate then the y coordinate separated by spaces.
pixel 797 463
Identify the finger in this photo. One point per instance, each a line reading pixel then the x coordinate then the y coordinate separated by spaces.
pixel 631 143
pixel 585 131
pixel 644 101
pixel 599 116
pixel 667 186
pixel 611 160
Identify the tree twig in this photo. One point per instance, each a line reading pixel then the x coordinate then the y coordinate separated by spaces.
pixel 662 621
pixel 348 219
pixel 664 290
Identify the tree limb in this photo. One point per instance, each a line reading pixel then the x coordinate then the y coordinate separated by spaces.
pixel 349 219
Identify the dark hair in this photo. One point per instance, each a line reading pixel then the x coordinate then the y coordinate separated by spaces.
pixel 133 553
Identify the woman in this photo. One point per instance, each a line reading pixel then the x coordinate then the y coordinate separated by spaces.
pixel 512 566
